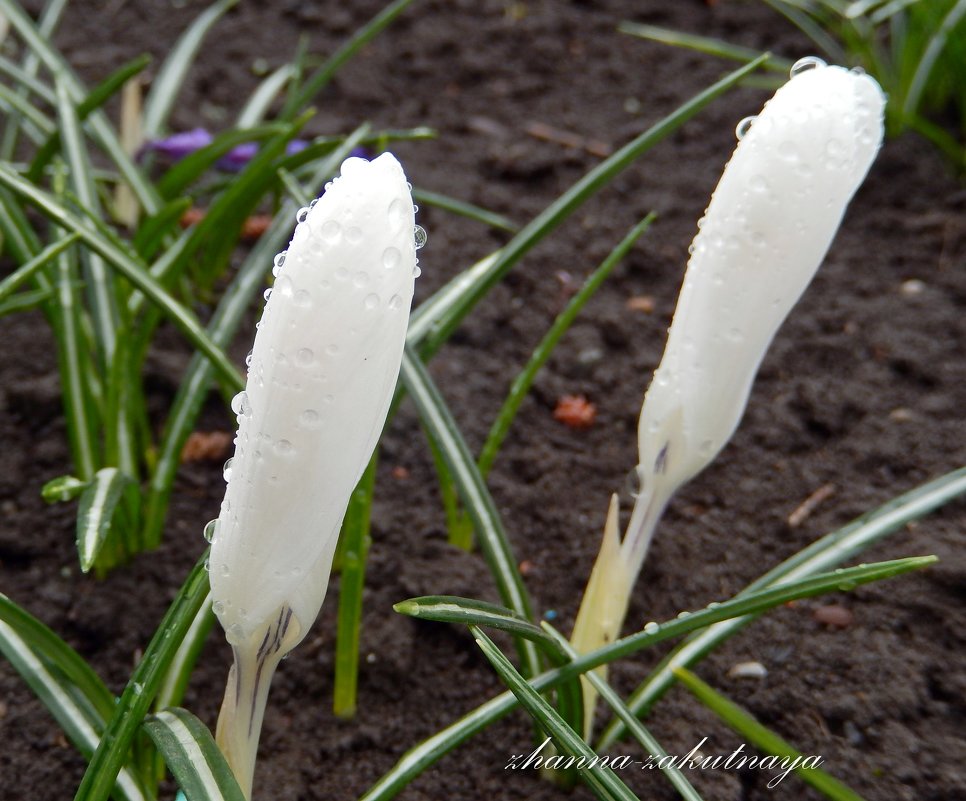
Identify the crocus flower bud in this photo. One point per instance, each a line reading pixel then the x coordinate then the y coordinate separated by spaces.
pixel 321 377
pixel 767 228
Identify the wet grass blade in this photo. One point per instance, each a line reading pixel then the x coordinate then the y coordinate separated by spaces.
pixel 318 80
pixel 26 271
pixel 763 738
pixel 98 96
pixel 421 756
pixel 98 504
pixel 937 43
pixel 171 74
pixel 354 551
pixel 812 29
pixel 258 104
pixel 637 729
pixel 115 745
pixel 476 497
pixel 833 549
pixel 193 757
pixel 132 270
pixel 435 320
pixel 524 380
pixel 602 781
pixel 25 301
pixel 464 209
pixel 34 121
pixel 152 231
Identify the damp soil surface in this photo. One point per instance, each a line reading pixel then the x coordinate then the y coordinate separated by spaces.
pixel 860 398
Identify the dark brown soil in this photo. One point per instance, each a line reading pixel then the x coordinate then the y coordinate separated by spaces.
pixel 864 391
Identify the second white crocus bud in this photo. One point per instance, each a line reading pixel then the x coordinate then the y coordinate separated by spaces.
pixel 767 228
pixel 321 378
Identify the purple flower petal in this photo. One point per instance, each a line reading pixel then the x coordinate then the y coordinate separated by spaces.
pixel 179 145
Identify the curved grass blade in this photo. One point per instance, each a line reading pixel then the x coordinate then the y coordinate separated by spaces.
pixel 133 271
pixel 317 81
pixel 464 209
pixel 171 75
pixel 234 303
pixel 812 29
pixel 25 301
pixel 604 783
pixel 104 134
pixel 832 549
pixel 98 504
pixel 40 640
pixel 764 739
pixel 193 757
pixel 40 125
pixel 524 380
pixel 26 82
pixel 153 230
pixel 26 271
pixel 257 106
pixel 476 498
pixel 114 747
pixel 702 44
pixel 423 755
pixel 97 97
pixel 937 42
pixel 433 322
pixel 634 726
pixel 62 488
pixel 353 550
pixel 19 238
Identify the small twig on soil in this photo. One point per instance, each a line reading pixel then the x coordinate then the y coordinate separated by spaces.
pixel 806 507
pixel 547 133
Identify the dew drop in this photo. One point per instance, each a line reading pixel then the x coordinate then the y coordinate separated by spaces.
pixel 309 418
pixel 353 165
pixel 371 301
pixel 360 279
pixel 218 607
pixel 278 263
pixel 304 357
pixel 240 404
pixel 210 528
pixel 353 235
pixel 284 448
pixel 226 470
pixel 417 271
pixel 284 286
pixel 303 299
pixel 207 565
pixel 331 231
pixel 684 614
pixel 395 302
pixel 329 398
pixel 398 212
pixel 758 183
pixel 301 215
pixel 744 126
pixel 651 628
pixel 419 233
pixel 248 359
pixel 805 64
pixel 332 349
pixel 267 294
pixel 632 482
pixel 390 258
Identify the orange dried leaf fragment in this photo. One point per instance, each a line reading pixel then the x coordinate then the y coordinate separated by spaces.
pixel 575 411
pixel 206 446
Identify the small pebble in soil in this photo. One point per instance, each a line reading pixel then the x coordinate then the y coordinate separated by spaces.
pixel 833 616
pixel 525 567
pixel 748 670
pixel 641 303
pixel 575 411
pixel 400 473
pixel 900 415
pixel 550 614
pixel 912 287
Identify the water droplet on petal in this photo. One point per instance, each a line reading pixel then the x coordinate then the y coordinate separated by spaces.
pixel 309 418
pixel 331 231
pixel 395 302
pixel 210 528
pixel 303 299
pixel 267 294
pixel 284 448
pixel 302 214
pixel 226 470
pixel 417 271
pixel 207 565
pixel 390 258
pixel 744 126
pixel 304 357
pixel 218 607
pixel 332 349
pixel 353 165
pixel 361 279
pixel 419 234
pixel 633 483
pixel 806 64
pixel 758 183
pixel 353 235
pixel 371 301
pixel 248 359
pixel 284 286
pixel 240 404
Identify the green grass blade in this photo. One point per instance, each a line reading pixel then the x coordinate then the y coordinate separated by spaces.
pixel 937 42
pixel 812 29
pixel 62 488
pixel 113 750
pixel 175 181
pixel 26 271
pixel 702 44
pixel 171 75
pixel 25 301
pixel 172 690
pixel 40 124
pixel 464 209
pixel 634 726
pixel 19 238
pixel 42 641
pixel 25 83
pixel 194 759
pixel 522 383
pixel 257 106
pixel 825 553
pixel 354 549
pixel 459 529
pixel 131 269
pixel 317 81
pixel 476 498
pixel 764 739
pixel 153 230
pixel 72 714
pixel 98 96
pixel 604 783
pixel 98 504
pixel 434 321
pixel 426 753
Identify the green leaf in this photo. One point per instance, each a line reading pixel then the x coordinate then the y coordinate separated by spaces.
pixel 937 42
pixel 25 301
pixel 193 757
pixel 97 506
pixel 476 497
pixel 26 271
pixel 601 780
pixel 765 740
pixel 62 488
pixel 112 752
pixel 463 209
pixel 152 231
pixel 261 99
pixel 171 75
pixel 435 320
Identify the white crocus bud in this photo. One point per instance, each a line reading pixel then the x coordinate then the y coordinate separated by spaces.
pixel 321 378
pixel 767 228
